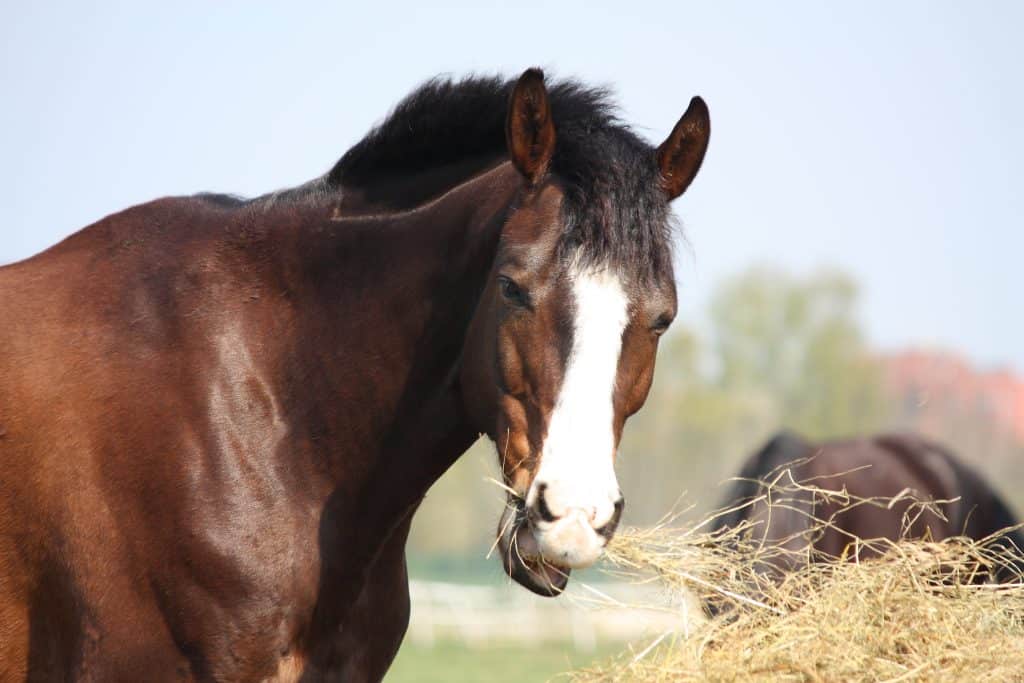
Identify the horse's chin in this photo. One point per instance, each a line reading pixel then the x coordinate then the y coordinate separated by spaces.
pixel 522 561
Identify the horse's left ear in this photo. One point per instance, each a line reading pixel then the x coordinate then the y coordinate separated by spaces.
pixel 529 130
pixel 680 156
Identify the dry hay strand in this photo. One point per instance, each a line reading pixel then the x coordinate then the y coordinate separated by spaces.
pixel 917 610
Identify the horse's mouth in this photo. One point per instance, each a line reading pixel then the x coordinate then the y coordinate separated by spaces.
pixel 521 557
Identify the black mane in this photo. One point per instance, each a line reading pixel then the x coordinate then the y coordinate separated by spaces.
pixel 446 121
pixel 615 209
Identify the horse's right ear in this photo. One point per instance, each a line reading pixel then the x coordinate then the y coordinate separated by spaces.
pixel 529 130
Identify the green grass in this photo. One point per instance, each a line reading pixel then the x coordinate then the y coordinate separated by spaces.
pixel 455 663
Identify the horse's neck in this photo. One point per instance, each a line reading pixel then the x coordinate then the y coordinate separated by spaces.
pixel 383 303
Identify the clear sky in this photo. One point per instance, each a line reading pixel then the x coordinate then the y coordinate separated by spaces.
pixel 883 138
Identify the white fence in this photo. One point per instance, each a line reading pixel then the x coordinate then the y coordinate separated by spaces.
pixel 586 614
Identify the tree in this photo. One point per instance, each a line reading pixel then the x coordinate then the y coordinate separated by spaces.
pixel 798 341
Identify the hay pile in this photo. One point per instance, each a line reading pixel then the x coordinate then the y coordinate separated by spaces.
pixel 919 612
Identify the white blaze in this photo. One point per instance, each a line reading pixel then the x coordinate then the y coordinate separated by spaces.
pixel 576 463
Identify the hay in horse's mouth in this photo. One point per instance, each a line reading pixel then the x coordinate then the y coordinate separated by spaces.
pixel 523 561
pixel 530 569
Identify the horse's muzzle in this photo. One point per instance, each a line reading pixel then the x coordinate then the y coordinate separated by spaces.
pixel 521 556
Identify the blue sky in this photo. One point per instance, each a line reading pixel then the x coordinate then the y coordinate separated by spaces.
pixel 883 138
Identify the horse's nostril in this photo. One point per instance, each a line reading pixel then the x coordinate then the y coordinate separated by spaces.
pixel 608 530
pixel 541 506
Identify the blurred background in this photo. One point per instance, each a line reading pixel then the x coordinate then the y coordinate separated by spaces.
pixel 852 248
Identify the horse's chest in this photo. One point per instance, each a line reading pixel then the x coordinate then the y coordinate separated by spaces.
pixel 300 628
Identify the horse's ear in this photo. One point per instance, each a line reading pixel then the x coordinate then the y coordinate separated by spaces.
pixel 529 130
pixel 680 156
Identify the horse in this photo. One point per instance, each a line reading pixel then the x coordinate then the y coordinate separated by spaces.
pixel 892 486
pixel 218 415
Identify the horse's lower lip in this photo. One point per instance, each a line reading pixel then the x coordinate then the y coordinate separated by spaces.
pixel 531 571
pixel 546 579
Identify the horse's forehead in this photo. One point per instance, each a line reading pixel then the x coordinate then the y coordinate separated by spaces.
pixel 537 236
pixel 595 292
pixel 559 275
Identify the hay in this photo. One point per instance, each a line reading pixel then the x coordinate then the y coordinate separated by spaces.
pixel 920 611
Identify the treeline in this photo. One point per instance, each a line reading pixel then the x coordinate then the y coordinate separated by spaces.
pixel 775 351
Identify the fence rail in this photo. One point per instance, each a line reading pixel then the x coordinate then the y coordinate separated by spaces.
pixel 587 614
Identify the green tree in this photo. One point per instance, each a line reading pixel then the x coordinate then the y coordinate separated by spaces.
pixel 797 340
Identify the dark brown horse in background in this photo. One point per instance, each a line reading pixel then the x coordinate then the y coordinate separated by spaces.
pixel 217 416
pixel 899 470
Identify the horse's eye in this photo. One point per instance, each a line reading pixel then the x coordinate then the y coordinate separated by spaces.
pixel 511 291
pixel 661 324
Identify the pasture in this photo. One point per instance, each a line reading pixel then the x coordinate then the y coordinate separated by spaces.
pixel 455 662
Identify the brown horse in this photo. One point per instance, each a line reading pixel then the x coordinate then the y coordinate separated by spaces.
pixel 900 471
pixel 217 416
